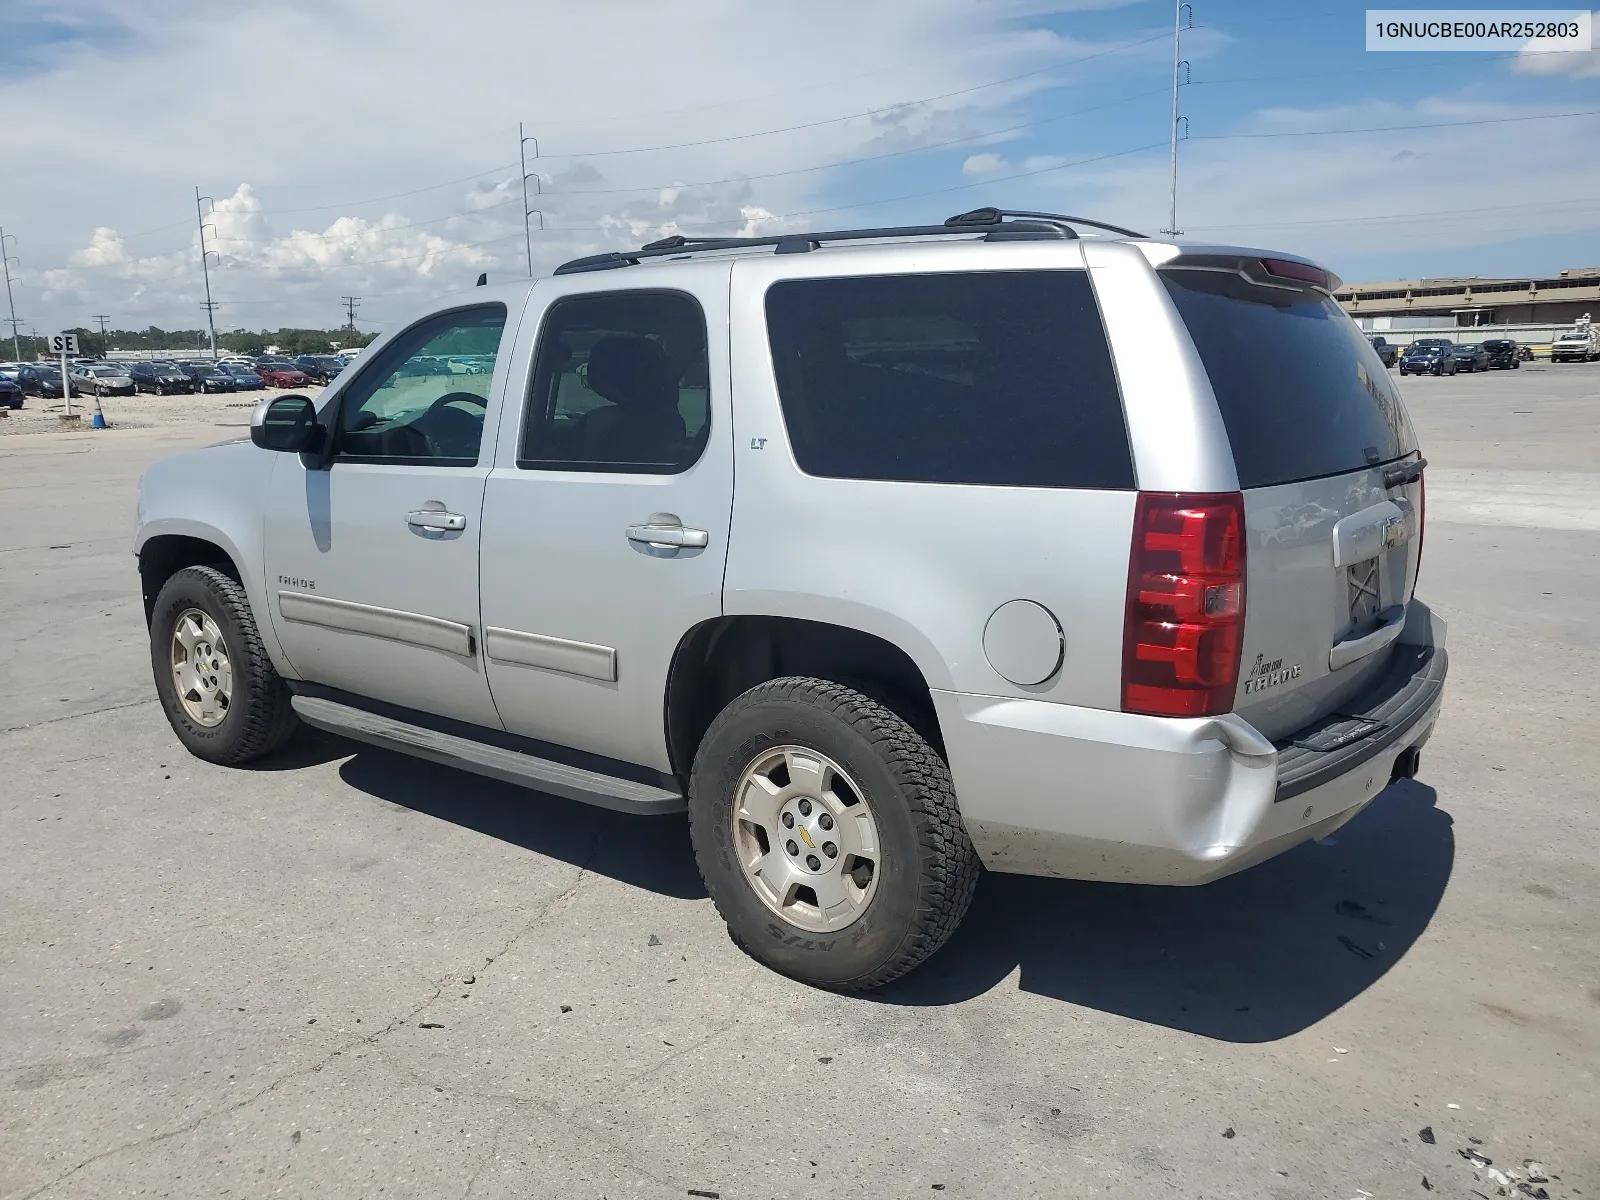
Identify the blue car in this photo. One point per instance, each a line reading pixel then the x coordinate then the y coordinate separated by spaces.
pixel 244 378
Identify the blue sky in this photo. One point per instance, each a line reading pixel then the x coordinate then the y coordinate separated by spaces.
pixel 372 150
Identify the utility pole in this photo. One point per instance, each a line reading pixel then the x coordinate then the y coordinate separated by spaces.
pixel 205 268
pixel 351 303
pixel 522 154
pixel 1178 66
pixel 102 318
pixel 5 261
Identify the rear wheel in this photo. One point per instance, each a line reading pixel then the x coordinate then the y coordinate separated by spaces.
pixel 222 695
pixel 827 832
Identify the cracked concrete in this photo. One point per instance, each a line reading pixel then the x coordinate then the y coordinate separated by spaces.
pixel 215 981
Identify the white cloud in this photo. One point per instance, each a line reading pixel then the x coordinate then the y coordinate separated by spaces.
pixel 983 164
pixel 382 97
pixel 1579 64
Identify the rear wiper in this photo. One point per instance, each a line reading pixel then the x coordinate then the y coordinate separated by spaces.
pixel 1403 473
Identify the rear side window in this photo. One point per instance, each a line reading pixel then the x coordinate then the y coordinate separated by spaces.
pixel 997 377
pixel 1302 393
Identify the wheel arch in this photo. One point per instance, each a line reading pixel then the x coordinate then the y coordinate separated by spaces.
pixel 163 554
pixel 726 656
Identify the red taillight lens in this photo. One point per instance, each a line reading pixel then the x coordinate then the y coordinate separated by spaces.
pixel 1185 619
pixel 1285 268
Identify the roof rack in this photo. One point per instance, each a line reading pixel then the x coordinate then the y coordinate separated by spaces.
pixel 999 224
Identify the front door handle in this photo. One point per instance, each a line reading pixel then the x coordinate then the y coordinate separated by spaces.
pixel 664 535
pixel 428 518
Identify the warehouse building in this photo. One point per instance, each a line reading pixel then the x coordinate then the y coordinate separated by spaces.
pixel 1448 303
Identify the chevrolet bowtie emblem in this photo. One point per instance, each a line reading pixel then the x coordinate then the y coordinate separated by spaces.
pixel 806 837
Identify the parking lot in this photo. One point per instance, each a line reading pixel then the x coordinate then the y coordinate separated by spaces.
pixel 342 972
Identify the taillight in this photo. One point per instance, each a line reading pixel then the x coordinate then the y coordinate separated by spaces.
pixel 1185 619
pixel 1422 524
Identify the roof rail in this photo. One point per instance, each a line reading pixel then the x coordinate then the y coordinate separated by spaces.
pixel 993 216
pixel 997 225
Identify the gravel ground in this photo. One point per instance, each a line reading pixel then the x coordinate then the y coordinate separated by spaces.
pixel 140 412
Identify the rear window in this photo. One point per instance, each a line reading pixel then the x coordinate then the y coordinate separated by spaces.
pixel 1302 393
pixel 996 377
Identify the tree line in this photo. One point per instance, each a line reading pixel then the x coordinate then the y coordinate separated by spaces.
pixel 153 339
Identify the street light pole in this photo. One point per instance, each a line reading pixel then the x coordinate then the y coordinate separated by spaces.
pixel 1178 65
pixel 5 261
pixel 205 268
pixel 522 155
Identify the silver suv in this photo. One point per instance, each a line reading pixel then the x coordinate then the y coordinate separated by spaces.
pixel 885 553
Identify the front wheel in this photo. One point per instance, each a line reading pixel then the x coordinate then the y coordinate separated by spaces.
pixel 222 695
pixel 827 833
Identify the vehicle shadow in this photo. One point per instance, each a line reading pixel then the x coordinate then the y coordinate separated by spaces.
pixel 308 748
pixel 646 852
pixel 1250 958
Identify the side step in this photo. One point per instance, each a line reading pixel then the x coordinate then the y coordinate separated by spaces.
pixel 511 766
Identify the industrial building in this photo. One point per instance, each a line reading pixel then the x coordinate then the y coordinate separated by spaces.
pixel 1444 303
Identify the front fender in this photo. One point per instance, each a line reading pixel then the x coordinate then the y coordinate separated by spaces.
pixel 216 495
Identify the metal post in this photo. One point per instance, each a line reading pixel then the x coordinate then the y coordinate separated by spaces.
pixel 522 156
pixel 1177 64
pixel 66 380
pixel 5 261
pixel 205 269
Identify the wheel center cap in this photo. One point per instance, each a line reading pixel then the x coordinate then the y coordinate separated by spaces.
pixel 810 837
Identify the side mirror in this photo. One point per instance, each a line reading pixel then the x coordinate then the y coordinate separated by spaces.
pixel 288 423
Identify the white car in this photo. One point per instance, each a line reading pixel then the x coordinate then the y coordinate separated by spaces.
pixel 885 554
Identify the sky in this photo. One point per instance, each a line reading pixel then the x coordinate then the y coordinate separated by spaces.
pixel 370 147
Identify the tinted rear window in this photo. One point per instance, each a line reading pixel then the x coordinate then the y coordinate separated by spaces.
pixel 1302 393
pixel 999 377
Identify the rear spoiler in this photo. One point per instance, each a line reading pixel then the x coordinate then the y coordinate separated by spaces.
pixel 1263 268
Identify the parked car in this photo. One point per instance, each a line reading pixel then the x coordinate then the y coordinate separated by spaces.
pixel 319 368
pixel 1430 357
pixel 160 378
pixel 1504 354
pixel 10 370
pixel 1581 343
pixel 102 379
pixel 244 376
pixel 208 377
pixel 10 392
pixel 278 376
pixel 1222 658
pixel 1387 351
pixel 1470 356
pixel 40 379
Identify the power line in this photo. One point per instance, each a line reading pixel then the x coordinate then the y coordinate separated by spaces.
pixel 1232 137
pixel 5 262
pixel 871 112
pixel 1477 210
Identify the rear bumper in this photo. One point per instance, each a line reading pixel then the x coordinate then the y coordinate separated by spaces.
pixel 1052 789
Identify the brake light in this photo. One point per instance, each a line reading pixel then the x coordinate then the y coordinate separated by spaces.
pixel 1285 268
pixel 1422 524
pixel 1185 617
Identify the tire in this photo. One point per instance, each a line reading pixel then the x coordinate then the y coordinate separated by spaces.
pixel 922 882
pixel 257 719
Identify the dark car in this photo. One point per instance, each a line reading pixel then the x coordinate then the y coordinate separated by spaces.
pixel 246 379
pixel 10 392
pixel 160 378
pixel 1429 357
pixel 1470 356
pixel 319 368
pixel 207 378
pixel 281 376
pixel 42 380
pixel 1503 353
pixel 1388 352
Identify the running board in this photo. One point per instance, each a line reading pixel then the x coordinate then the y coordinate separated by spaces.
pixel 511 766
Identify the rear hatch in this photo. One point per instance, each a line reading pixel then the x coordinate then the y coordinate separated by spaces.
pixel 1332 484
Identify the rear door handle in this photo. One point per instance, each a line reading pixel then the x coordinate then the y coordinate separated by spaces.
pixel 668 536
pixel 427 518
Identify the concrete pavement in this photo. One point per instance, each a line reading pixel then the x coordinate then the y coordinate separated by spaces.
pixel 346 973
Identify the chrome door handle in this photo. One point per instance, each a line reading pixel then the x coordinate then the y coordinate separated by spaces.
pixel 668 536
pixel 426 518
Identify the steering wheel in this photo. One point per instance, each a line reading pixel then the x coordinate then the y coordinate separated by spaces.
pixel 452 433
